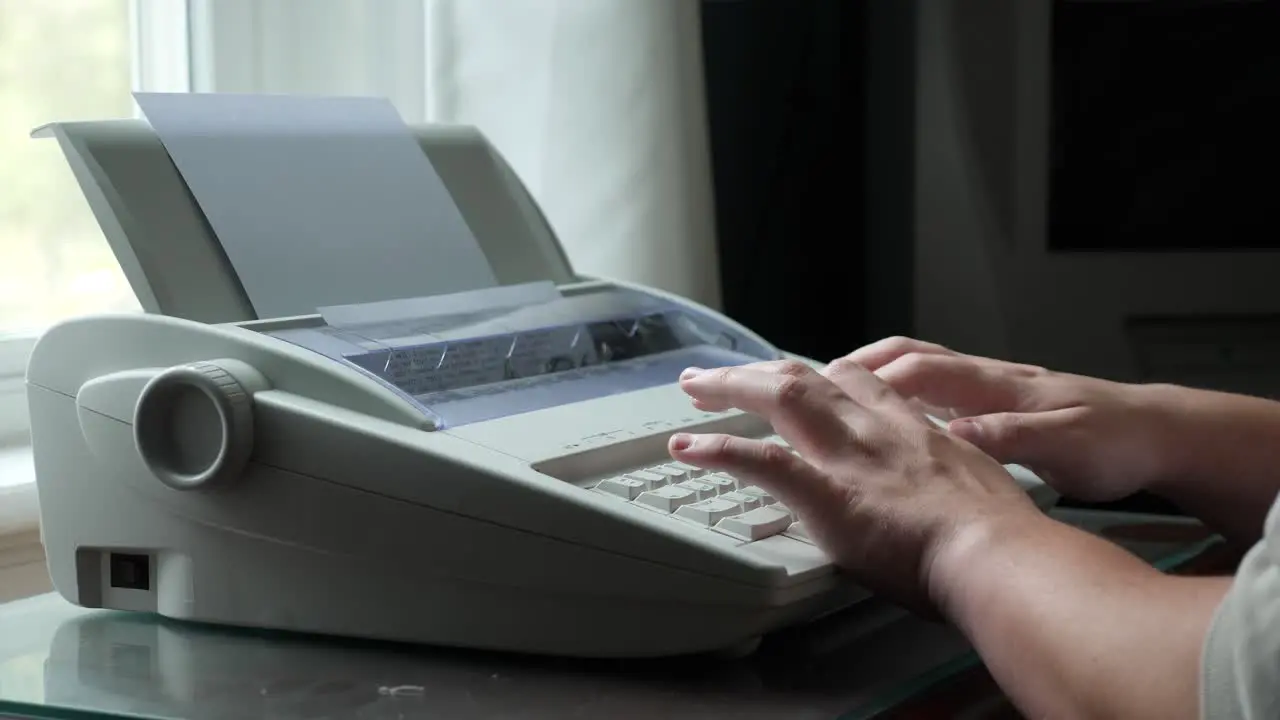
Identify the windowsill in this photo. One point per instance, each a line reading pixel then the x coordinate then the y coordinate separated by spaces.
pixel 19 512
pixel 23 572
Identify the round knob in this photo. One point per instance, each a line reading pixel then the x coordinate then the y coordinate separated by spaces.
pixel 193 424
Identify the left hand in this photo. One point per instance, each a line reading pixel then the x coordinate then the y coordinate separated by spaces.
pixel 881 489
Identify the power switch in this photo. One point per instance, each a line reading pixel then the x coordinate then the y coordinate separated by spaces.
pixel 130 571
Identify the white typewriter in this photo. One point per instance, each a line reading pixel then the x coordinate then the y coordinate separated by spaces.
pixel 492 474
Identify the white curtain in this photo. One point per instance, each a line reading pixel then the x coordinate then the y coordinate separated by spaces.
pixel 597 104
pixel 599 107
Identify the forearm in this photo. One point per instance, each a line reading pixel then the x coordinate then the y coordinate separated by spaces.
pixel 1224 453
pixel 1072 626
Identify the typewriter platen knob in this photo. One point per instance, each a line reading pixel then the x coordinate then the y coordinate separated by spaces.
pixel 193 424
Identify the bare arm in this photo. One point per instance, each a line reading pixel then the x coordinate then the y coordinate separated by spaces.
pixel 1226 449
pixel 1072 626
pixel 1217 455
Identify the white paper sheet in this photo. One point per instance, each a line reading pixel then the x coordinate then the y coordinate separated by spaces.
pixel 413 321
pixel 471 301
pixel 318 201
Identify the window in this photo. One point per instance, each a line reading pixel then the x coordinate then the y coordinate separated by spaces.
pixel 56 262
pixel 79 59
pixel 65 60
pixel 439 59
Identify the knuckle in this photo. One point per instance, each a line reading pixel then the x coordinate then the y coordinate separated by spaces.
pixel 774 454
pixel 1010 429
pixel 917 363
pixel 716 449
pixel 794 368
pixel 790 391
pixel 858 382
pixel 900 343
pixel 844 366
pixel 722 375
pixel 1030 371
pixel 719 446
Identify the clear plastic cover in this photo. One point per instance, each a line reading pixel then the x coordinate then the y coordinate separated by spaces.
pixel 470 364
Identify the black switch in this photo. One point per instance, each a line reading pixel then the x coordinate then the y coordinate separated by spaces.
pixel 130 572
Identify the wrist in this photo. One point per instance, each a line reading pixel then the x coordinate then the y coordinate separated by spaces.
pixel 1205 434
pixel 1172 423
pixel 975 555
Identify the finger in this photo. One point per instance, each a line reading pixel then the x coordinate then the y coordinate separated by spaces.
pixel 788 367
pixel 932 412
pixel 794 481
pixel 882 352
pixel 867 389
pixel 715 404
pixel 965 384
pixel 806 409
pixel 723 387
pixel 1040 439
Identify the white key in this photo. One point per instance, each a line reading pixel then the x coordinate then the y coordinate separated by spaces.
pixel 667 499
pixel 777 440
pixel 746 501
pixel 651 480
pixel 708 512
pixel 723 482
pixel 692 471
pixel 799 532
pixel 624 487
pixel 701 489
pixel 672 474
pixel 757 524
pixel 765 497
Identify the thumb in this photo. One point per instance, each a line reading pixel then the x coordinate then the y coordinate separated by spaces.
pixel 1010 437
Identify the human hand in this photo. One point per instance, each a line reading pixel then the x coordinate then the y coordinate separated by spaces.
pixel 881 489
pixel 1090 439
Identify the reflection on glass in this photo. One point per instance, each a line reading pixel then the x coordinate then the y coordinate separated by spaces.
pixel 22 678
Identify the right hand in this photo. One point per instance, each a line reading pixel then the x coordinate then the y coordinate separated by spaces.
pixel 1090 439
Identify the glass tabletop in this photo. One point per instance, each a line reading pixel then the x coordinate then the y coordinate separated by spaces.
pixel 61 661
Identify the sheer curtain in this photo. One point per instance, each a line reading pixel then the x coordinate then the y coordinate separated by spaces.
pixel 597 104
pixel 599 107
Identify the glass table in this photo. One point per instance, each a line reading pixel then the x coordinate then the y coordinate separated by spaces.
pixel 60 661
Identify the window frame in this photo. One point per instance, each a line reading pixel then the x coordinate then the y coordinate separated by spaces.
pixel 14 422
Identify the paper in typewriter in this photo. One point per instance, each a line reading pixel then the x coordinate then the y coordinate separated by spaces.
pixel 472 357
pixel 318 201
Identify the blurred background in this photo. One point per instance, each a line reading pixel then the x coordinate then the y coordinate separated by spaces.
pixel 1081 185
pixel 67 58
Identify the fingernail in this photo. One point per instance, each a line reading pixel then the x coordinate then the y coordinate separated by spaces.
pixel 681 442
pixel 967 428
pixel 690 373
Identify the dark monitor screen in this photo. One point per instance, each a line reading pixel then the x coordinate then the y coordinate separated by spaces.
pixel 1164 123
